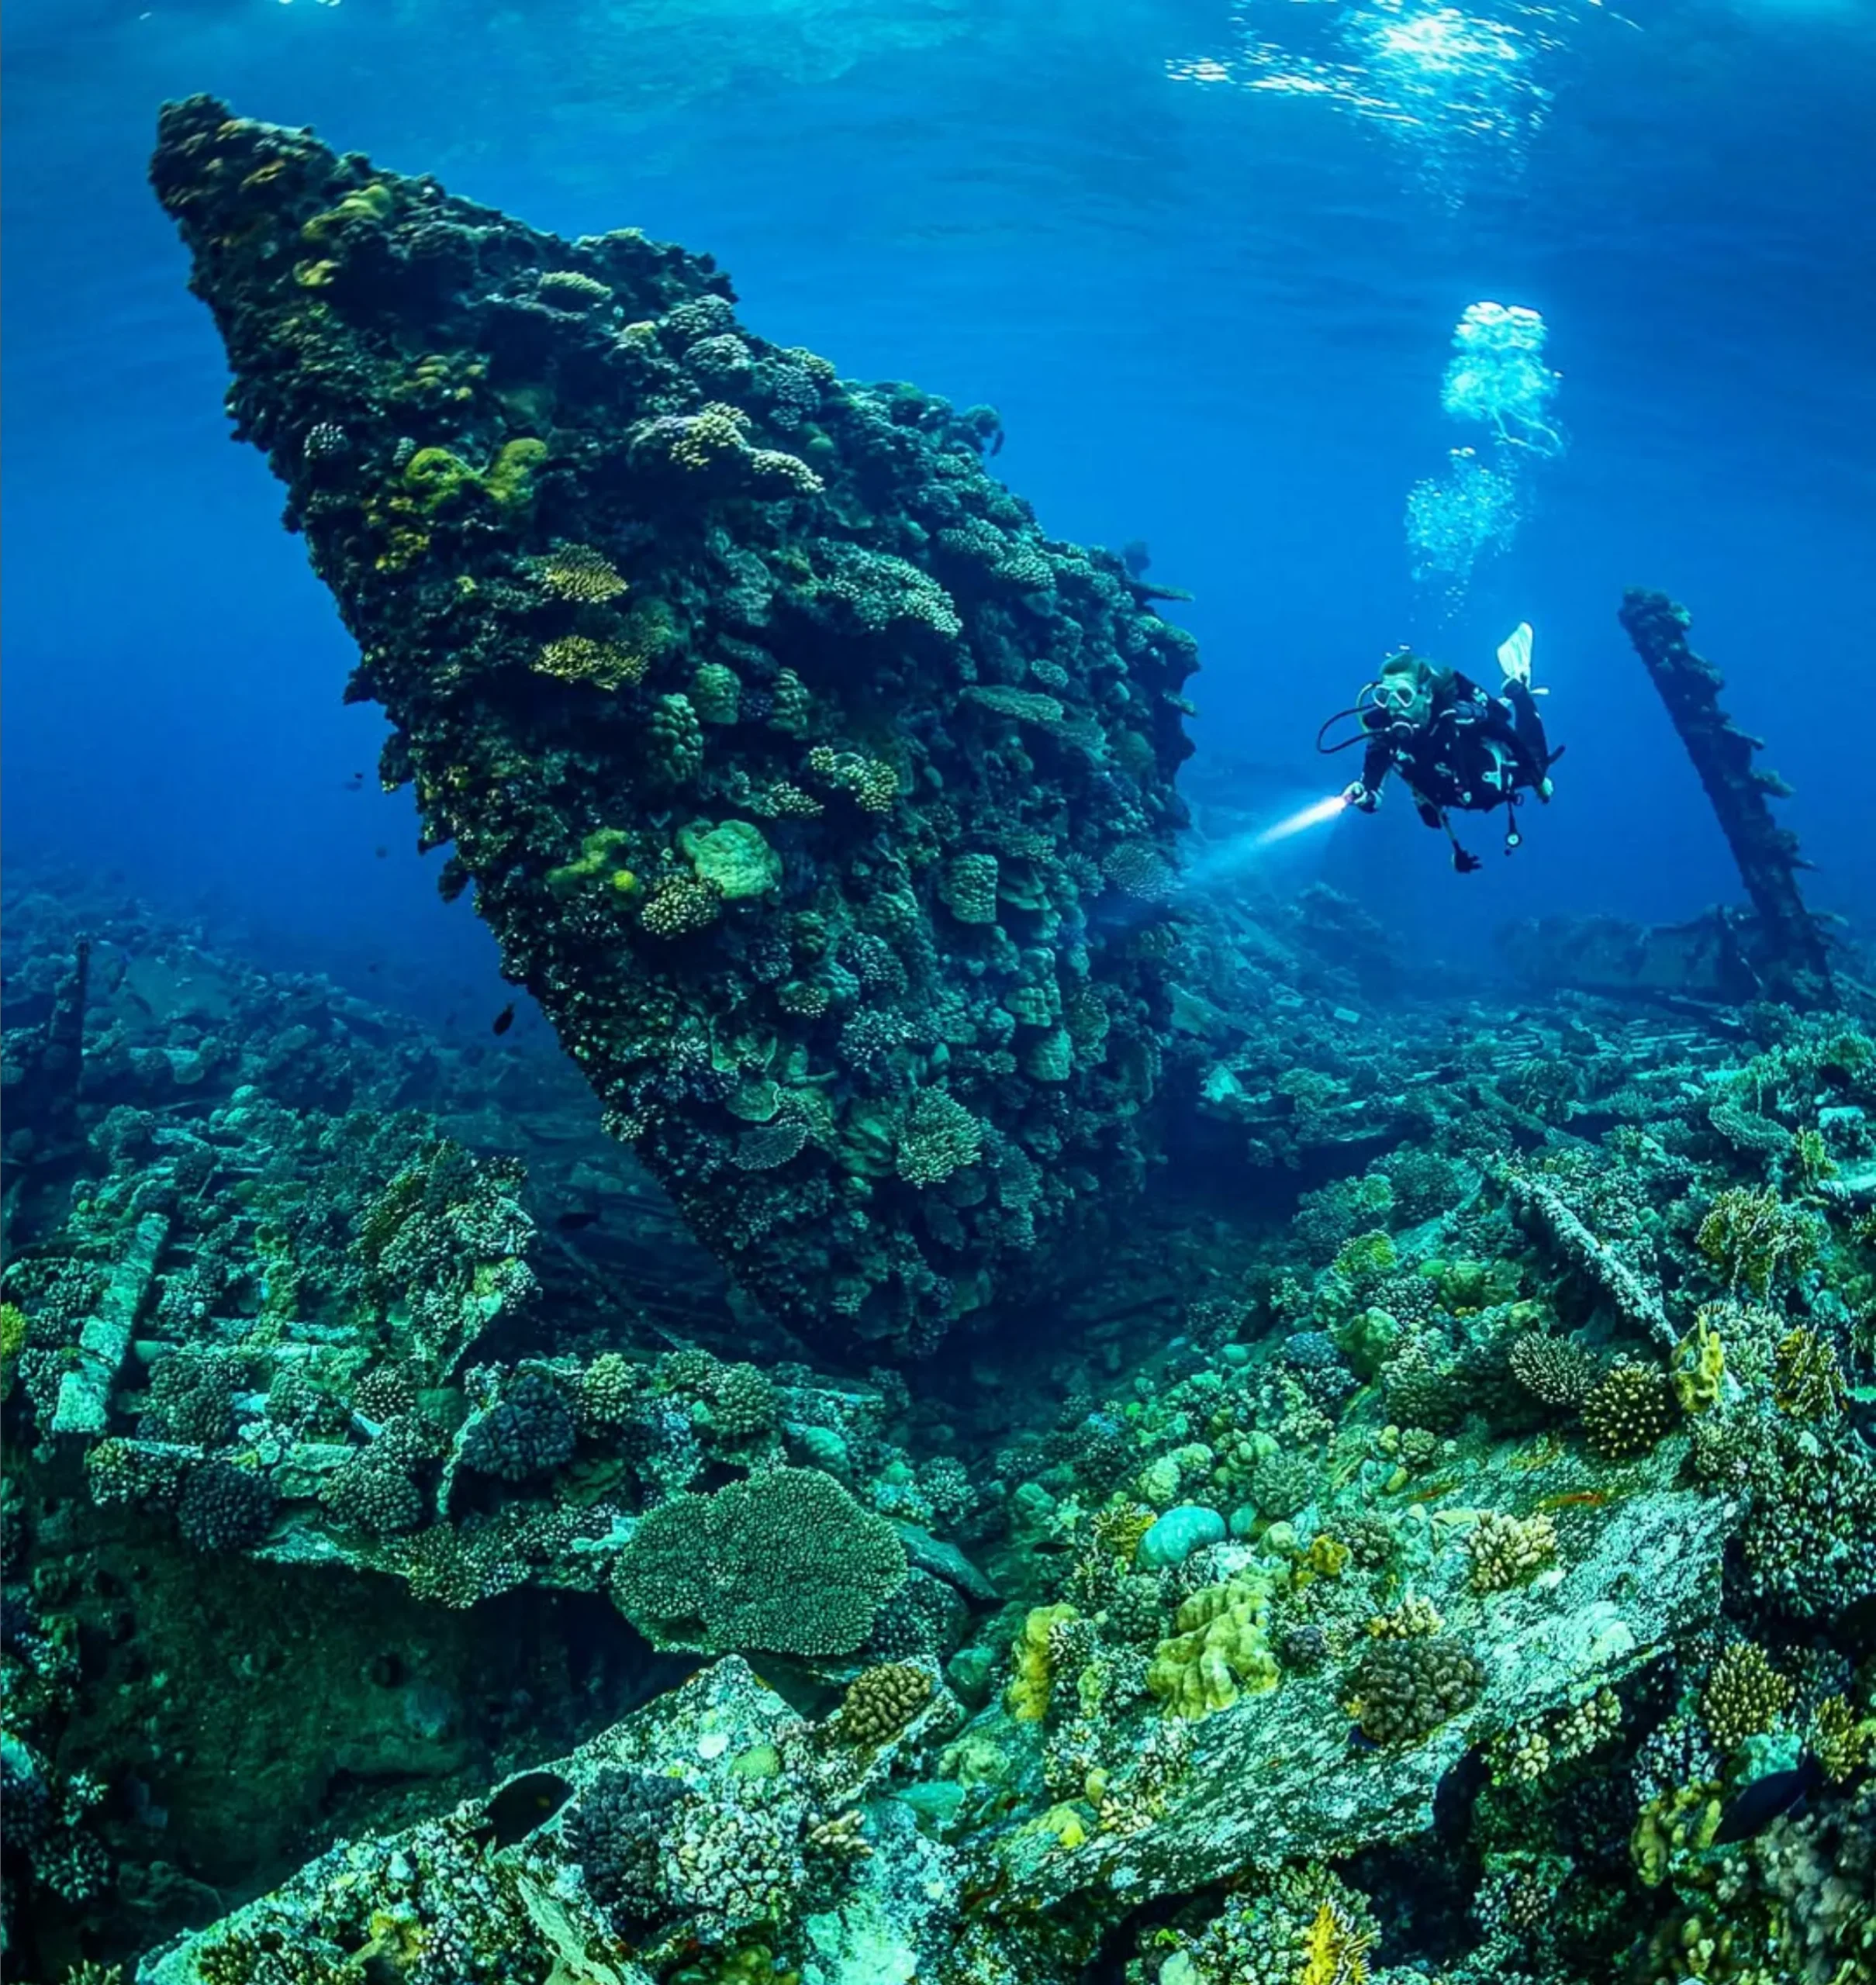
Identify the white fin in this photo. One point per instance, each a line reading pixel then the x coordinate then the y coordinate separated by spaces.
pixel 1515 653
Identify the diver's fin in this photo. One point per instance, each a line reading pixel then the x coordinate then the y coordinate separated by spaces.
pixel 1515 653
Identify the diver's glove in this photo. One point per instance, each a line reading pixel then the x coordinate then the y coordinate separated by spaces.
pixel 1465 863
pixel 1363 798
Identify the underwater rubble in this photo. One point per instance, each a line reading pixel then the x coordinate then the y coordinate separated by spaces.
pixel 822 801
pixel 1476 1579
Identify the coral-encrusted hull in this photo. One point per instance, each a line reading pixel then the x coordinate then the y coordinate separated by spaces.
pixel 818 798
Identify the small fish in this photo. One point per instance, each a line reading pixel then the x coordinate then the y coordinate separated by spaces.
pixel 505 1019
pixel 372 966
pixel 572 1222
pixel 381 850
pixel 354 784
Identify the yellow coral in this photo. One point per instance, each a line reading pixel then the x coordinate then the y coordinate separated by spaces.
pixel 1218 1652
pixel 1414 1618
pixel 1335 1950
pixel 510 478
pixel 1807 1382
pixel 1065 1823
pixel 1840 1740
pixel 1027 1697
pixel 368 204
pixel 1508 1550
pixel 577 572
pixel 1326 1557
pixel 1118 1528
pixel 1698 1366
pixel 1676 1822
pixel 1745 1695
pixel 579 658
pixel 710 437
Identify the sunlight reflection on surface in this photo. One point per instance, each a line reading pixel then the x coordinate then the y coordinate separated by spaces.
pixel 1464 91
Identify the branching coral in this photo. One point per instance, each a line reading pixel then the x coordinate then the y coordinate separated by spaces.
pixel 1751 1236
pixel 1744 1695
pixel 1557 1370
pixel 1628 1411
pixel 1509 1551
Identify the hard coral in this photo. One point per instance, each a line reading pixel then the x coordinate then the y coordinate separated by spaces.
pixel 1509 1551
pixel 1403 1690
pixel 785 1562
pixel 1033 1683
pixel 580 658
pixel 374 1494
pixel 1807 1381
pixel 224 1507
pixel 880 1701
pixel 1628 1411
pixel 1751 1236
pixel 579 573
pixel 615 1832
pixel 937 1136
pixel 1744 1695
pixel 1557 1370
pixel 530 1430
pixel 742 1399
pixel 1218 1651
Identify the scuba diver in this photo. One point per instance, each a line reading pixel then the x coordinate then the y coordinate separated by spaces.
pixel 1457 748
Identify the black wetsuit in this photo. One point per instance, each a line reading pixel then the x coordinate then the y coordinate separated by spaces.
pixel 1445 752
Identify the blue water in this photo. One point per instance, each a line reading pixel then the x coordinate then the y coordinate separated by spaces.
pixel 1206 259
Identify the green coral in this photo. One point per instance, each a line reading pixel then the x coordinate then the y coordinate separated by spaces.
pixel 783 1563
pixel 509 481
pixel 733 858
pixel 1219 1650
pixel 1366 1257
pixel 1752 1237
pixel 600 863
pixel 937 1137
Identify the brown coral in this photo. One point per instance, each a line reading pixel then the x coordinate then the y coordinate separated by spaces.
pixel 1403 1690
pixel 1628 1411
pixel 1745 1695
pixel 1509 1551
pixel 1557 1370
pixel 881 1701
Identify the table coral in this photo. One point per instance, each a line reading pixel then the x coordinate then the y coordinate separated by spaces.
pixel 785 1561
